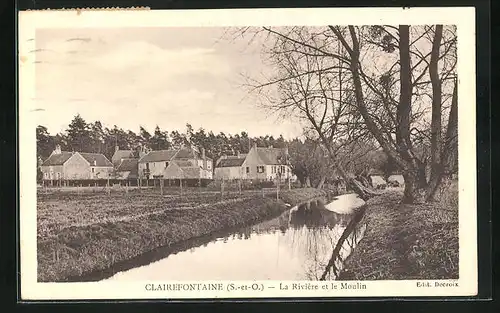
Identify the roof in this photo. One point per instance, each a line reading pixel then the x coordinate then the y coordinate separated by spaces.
pixel 158 156
pixel 184 163
pixel 122 154
pixel 191 172
pixel 231 162
pixel 61 158
pixel 128 165
pixel 98 158
pixel 271 156
pixel 187 153
pixel 57 159
pixel 167 155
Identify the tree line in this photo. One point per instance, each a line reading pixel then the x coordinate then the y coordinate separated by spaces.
pixel 306 156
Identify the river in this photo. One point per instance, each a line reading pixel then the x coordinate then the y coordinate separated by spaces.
pixel 300 244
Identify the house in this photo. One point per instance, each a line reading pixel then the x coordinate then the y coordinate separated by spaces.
pixel 377 178
pixel 127 169
pixel 126 163
pixel 119 155
pixel 182 163
pixel 259 164
pixel 65 165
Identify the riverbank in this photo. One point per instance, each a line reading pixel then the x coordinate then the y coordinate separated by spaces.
pixel 78 235
pixel 407 241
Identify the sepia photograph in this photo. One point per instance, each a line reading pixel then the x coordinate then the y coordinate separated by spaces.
pixel 283 160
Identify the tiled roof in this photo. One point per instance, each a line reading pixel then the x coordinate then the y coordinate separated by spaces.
pixel 231 162
pixel 158 156
pixel 272 156
pixel 171 154
pixel 191 172
pixel 57 159
pixel 96 159
pixel 184 163
pixel 128 165
pixel 187 153
pixel 122 154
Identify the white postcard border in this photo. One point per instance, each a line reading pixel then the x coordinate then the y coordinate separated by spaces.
pixel 29 21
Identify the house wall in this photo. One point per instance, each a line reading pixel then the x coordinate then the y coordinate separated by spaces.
pixel 158 168
pixel 101 172
pixel 173 171
pixel 252 161
pixel 50 172
pixel 123 175
pixel 273 170
pixel 234 172
pixel 155 168
pixel 76 167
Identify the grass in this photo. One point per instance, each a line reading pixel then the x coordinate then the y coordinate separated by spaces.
pixel 407 241
pixel 82 233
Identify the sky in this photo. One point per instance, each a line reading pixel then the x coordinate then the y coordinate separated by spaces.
pixel 152 76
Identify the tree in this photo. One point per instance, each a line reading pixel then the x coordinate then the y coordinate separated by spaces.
pixel 145 137
pixel 178 139
pixel 44 142
pixel 78 135
pixel 159 141
pixel 373 83
pixel 97 135
pixel 309 162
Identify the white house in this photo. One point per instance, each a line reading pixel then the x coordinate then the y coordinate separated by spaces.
pixel 258 164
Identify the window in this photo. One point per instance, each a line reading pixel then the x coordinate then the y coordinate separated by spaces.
pixel 46 175
pixel 282 169
pixel 93 170
pixel 147 166
pixel 208 166
pixel 248 170
pixel 166 164
pixel 260 169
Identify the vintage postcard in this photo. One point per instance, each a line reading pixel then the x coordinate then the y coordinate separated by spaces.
pixel 266 153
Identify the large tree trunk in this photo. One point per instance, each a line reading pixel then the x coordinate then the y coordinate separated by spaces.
pixel 415 185
pixel 436 165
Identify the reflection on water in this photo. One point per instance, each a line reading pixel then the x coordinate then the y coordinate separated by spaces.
pixel 308 242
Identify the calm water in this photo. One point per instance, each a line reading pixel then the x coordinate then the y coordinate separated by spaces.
pixel 298 245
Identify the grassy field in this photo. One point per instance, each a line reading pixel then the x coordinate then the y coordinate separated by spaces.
pixel 82 232
pixel 407 241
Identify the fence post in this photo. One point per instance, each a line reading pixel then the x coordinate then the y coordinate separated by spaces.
pixel 277 188
pixel 222 189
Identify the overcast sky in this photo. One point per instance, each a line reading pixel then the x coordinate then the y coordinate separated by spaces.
pixel 151 76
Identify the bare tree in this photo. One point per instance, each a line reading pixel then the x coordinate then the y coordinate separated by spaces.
pixel 317 90
pixel 395 85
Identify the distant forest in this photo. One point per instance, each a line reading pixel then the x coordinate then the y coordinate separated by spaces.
pixel 94 137
pixel 307 157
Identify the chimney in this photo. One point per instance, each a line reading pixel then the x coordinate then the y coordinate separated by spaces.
pixel 117 148
pixel 238 153
pixel 95 162
pixel 203 156
pixel 57 150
